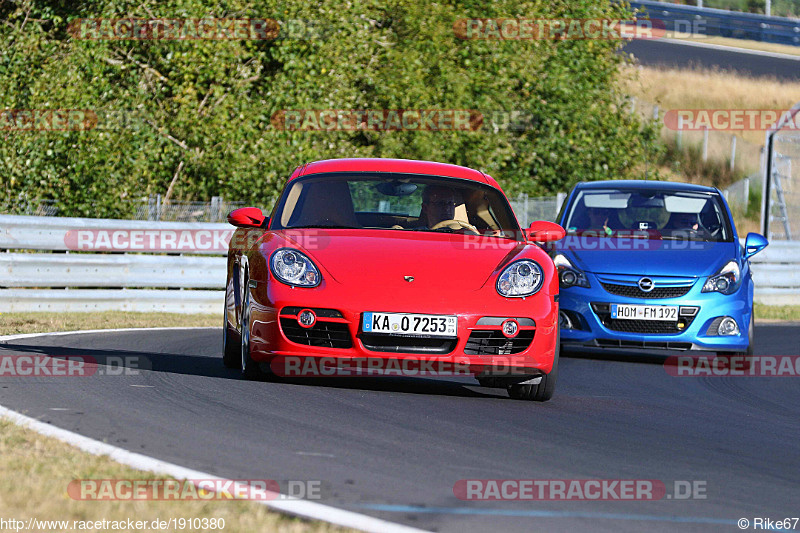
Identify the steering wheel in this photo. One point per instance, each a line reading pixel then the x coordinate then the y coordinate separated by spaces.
pixel 460 223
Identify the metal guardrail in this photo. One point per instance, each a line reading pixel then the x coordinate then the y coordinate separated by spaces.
pixel 776 273
pixel 48 281
pixel 710 21
pixel 145 263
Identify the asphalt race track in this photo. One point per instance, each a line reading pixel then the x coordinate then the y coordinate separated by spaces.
pixel 395 447
pixel 661 53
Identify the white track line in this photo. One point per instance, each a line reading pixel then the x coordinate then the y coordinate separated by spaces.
pixel 302 508
pixel 734 49
pixel 6 338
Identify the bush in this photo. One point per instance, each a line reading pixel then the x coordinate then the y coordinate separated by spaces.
pixel 193 117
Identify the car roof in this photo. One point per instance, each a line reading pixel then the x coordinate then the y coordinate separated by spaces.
pixel 645 184
pixel 392 165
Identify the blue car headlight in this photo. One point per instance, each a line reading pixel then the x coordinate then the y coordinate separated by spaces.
pixel 726 281
pixel 294 268
pixel 519 279
pixel 568 275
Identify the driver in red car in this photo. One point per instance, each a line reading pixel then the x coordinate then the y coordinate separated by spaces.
pixel 438 205
pixel 439 211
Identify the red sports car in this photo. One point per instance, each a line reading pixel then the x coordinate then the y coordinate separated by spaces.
pixel 369 265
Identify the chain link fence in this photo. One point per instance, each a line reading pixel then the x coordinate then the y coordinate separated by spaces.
pixel 780 216
pixel 529 209
pixel 526 208
pixel 154 208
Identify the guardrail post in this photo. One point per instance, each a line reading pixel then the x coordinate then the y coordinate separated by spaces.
pixel 733 152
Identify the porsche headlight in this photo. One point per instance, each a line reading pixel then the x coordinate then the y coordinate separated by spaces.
pixel 519 279
pixel 568 275
pixel 294 268
pixel 726 280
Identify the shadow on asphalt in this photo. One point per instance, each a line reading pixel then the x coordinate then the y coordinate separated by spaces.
pixel 198 365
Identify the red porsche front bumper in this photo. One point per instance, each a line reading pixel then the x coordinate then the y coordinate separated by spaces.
pixel 480 345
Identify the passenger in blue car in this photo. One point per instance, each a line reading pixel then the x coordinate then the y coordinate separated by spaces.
pixel 598 220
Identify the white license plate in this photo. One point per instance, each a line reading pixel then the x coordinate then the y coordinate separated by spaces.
pixel 410 324
pixel 644 312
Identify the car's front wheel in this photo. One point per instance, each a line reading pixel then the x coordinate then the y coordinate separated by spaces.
pixel 545 389
pixel 230 350
pixel 250 368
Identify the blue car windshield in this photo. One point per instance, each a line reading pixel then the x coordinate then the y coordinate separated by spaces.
pixel 649 213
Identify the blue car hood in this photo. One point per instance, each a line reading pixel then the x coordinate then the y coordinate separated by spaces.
pixel 693 259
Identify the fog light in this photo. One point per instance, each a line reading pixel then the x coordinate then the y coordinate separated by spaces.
pixel 728 326
pixel 510 328
pixel 568 278
pixel 306 318
pixel 563 320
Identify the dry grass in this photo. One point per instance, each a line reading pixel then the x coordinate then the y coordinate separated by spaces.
pixel 12 323
pixel 672 88
pixel 35 472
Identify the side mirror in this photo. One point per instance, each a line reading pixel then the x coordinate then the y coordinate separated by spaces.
pixel 248 217
pixel 753 244
pixel 543 231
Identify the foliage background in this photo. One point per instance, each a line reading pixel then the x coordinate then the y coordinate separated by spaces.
pixel 205 106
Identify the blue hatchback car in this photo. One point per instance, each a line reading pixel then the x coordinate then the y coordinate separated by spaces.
pixel 648 264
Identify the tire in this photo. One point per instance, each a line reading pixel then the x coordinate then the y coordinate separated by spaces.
pixel 230 352
pixel 546 387
pixel 250 369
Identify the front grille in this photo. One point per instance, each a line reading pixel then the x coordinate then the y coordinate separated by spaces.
pixel 493 342
pixel 616 343
pixel 713 328
pixel 652 327
pixel 321 334
pixel 403 344
pixel 641 326
pixel 633 291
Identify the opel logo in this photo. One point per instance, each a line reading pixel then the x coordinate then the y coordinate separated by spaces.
pixel 646 284
pixel 408 278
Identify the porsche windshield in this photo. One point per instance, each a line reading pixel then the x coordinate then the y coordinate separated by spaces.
pixel 403 202
pixel 649 213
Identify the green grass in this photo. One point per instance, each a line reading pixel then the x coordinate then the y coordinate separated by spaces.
pixel 13 323
pixel 777 312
